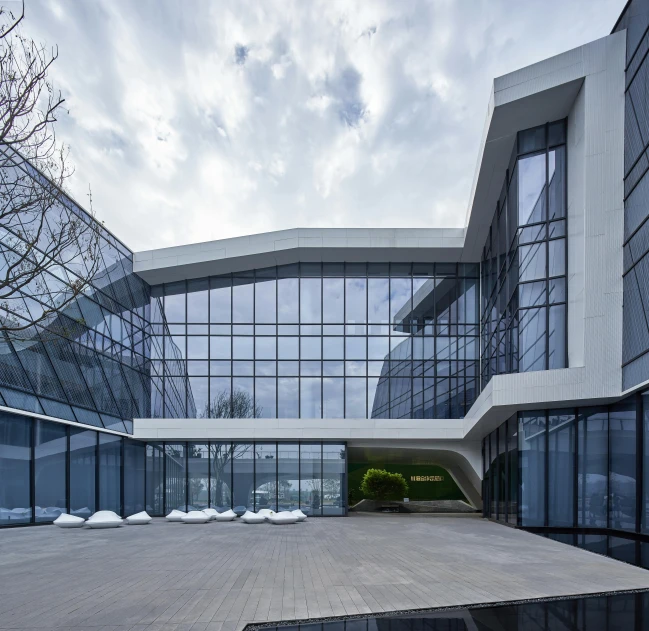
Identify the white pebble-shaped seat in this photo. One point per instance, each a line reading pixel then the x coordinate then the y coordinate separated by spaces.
pixel 69 521
pixel 299 514
pixel 176 515
pixel 195 517
pixel 105 519
pixel 284 517
pixel 211 513
pixel 252 518
pixel 139 519
pixel 228 515
pixel 265 512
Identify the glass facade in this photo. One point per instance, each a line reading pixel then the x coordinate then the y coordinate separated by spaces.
pixel 86 361
pixel 246 476
pixel 583 468
pixel 636 195
pixel 524 291
pixel 316 340
pixel 49 468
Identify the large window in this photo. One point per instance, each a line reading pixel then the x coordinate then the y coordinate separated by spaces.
pixel 15 465
pixel 67 469
pixel 134 476
pixel 110 461
pixel 198 471
pixel 524 291
pixel 583 468
pixel 316 340
pixel 88 360
pixel 247 476
pixel 83 469
pixel 50 470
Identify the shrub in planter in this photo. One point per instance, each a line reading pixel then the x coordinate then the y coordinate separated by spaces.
pixel 379 484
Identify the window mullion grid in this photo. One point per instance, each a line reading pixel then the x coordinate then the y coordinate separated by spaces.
pixel 547 247
pixel 299 340
pixel 322 341
pixel 254 345
pixel 231 402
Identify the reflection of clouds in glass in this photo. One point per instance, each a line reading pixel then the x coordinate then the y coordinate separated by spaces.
pixel 287 300
pixel 355 396
pixel 333 291
pixel 531 182
pixel 265 397
pixel 379 300
pixel 355 307
pixel 310 397
pixel 310 299
pixel 242 300
pixel 400 297
pixel 333 397
pixel 287 403
pixel 265 301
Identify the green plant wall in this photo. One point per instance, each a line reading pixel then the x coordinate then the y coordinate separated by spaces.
pixel 445 489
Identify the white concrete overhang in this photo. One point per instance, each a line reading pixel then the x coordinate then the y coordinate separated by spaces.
pixel 313 245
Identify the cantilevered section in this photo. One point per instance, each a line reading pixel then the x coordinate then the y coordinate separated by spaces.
pixel 335 245
pixel 586 85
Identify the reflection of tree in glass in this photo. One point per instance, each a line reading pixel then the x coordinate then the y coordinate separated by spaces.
pixel 238 404
pixel 196 485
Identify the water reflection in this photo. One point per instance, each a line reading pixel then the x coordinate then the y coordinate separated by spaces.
pixel 615 612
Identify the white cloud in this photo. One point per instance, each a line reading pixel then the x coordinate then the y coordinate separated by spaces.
pixel 196 121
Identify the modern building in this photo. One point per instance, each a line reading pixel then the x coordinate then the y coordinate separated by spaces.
pixel 511 354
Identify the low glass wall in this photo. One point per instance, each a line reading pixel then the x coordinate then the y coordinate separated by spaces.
pixel 49 468
pixel 280 476
pixel 585 468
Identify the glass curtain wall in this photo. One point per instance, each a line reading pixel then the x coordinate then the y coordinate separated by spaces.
pixel 635 331
pixel 316 340
pixel 247 476
pixel 87 360
pixel 66 469
pixel 584 468
pixel 524 261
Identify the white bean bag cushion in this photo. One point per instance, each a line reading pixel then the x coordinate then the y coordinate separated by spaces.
pixel 139 519
pixel 104 519
pixel 69 521
pixel 176 515
pixel 299 514
pixel 195 517
pixel 265 512
pixel 285 517
pixel 228 515
pixel 252 518
pixel 211 512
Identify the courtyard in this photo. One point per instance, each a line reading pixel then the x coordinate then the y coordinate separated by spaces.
pixel 222 576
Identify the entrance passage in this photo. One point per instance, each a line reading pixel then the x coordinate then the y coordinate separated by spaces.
pixel 431 475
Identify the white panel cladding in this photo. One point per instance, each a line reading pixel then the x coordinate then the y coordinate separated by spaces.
pixel 576 149
pixel 299 244
pixel 596 223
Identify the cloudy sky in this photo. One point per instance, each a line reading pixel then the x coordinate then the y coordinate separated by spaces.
pixel 198 120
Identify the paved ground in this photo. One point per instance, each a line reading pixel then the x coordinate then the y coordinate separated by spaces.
pixel 219 576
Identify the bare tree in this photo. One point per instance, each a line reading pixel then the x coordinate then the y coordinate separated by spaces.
pixel 238 404
pixel 40 228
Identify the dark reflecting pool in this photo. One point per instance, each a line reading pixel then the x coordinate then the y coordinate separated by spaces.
pixel 617 612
